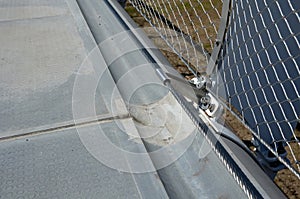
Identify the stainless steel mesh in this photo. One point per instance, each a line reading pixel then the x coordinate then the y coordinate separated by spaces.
pixel 258 63
pixel 188 26
pixel 259 68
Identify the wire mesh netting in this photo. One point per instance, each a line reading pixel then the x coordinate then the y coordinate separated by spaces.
pixel 188 26
pixel 258 63
pixel 259 68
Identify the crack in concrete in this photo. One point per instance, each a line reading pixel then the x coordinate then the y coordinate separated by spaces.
pixel 64 126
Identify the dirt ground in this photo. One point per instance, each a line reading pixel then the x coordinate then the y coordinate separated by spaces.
pixel 285 180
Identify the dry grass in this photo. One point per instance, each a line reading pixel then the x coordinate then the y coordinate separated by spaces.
pixel 201 24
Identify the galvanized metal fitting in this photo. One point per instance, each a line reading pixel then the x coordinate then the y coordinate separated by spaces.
pixel 205 102
pixel 211 106
pixel 199 82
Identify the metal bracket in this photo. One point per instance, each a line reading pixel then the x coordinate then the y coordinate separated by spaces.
pixel 202 82
pixel 199 82
pixel 211 106
pixel 208 102
pixel 220 37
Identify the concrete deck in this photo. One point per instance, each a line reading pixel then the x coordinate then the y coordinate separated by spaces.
pixel 44 46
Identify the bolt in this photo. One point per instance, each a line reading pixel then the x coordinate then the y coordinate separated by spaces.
pixel 205 100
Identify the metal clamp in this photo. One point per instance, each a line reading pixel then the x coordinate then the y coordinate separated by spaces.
pixel 199 82
pixel 211 106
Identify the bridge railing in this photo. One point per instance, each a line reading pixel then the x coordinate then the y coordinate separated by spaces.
pixel 250 51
